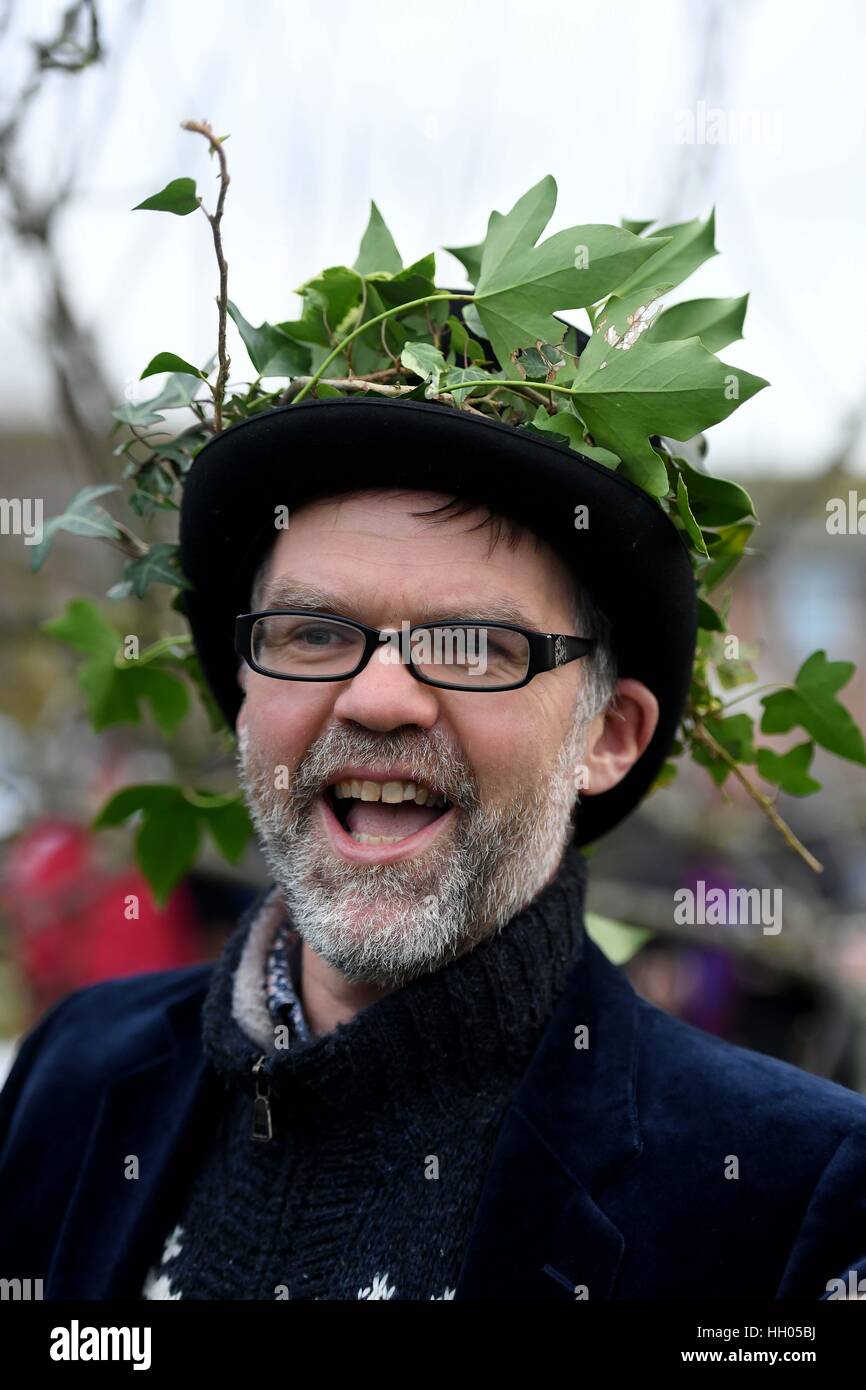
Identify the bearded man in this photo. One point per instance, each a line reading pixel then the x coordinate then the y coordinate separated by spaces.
pixel 411 1074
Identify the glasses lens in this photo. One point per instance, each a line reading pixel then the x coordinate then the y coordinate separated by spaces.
pixel 297 645
pixel 469 656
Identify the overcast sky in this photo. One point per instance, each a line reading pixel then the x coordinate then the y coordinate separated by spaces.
pixel 441 115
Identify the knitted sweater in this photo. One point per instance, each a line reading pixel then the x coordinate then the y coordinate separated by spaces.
pixel 374 1139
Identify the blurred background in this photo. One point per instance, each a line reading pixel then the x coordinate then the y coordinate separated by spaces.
pixel 644 112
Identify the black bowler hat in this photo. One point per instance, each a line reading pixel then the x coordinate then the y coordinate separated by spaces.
pixel 630 557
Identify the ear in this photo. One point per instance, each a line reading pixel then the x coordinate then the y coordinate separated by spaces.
pixel 619 736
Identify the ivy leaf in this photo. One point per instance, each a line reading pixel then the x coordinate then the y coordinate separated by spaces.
pixel 329 299
pixel 455 375
pixel 717 322
pixel 158 566
pixel 378 251
pixel 470 258
pixel 461 343
pixel 569 426
pixel 689 244
pixel 715 501
pixel 170 362
pixel 172 821
pixel 726 549
pixel 83 517
pixel 708 618
pixel 789 770
pixel 690 523
pixel 425 361
pixel 521 284
pixel 230 825
pixel 179 197
pixel 626 394
pixel 272 352
pixel 735 735
pixel 178 391
pixel 113 691
pixel 812 705
pixel 416 281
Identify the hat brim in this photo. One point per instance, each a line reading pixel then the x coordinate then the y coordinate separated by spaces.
pixel 630 557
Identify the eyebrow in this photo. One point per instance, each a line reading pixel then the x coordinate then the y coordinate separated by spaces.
pixel 285 592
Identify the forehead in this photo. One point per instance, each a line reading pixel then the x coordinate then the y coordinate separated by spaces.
pixel 370 549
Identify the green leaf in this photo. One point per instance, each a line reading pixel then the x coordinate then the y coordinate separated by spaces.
pixel 451 381
pixel 689 245
pixel 416 281
pixel 378 251
pixel 735 734
pixel 715 501
pixel 635 227
pixel 167 697
pixel 178 391
pixel 717 322
pixel 470 258
pixel 789 770
pixel 179 197
pixel 521 285
pixel 626 394
pixel 158 566
pixel 170 362
pixel 153 797
pixel 168 837
pixel 272 352
pixel 812 705
pixel 231 828
pixel 691 526
pixel 166 846
pixel 113 689
pixel 726 550
pixel 461 343
pixel 708 618
pixel 329 299
pixel 618 941
pixel 425 361
pixel 83 517
pixel 83 627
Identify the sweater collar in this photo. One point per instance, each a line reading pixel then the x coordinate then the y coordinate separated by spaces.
pixel 475 1021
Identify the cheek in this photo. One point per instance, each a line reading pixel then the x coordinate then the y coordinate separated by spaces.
pixel 509 741
pixel 282 724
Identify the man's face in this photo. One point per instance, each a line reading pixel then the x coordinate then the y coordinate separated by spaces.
pixel 440 880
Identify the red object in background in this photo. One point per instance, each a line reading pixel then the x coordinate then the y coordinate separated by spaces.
pixel 73 923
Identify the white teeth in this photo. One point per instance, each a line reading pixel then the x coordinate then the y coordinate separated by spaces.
pixel 389 792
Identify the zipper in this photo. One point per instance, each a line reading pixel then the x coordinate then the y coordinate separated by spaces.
pixel 262 1130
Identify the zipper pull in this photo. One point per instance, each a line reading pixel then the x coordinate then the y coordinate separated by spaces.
pixel 262 1127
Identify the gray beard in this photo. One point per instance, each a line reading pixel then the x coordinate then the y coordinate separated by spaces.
pixel 387 924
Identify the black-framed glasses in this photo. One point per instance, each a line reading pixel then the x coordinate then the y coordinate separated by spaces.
pixel 297 645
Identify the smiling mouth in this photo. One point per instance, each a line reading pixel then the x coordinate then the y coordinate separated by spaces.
pixel 384 812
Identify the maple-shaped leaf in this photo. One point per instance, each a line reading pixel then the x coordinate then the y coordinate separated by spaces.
pixel 812 704
pixel 628 389
pixel 522 285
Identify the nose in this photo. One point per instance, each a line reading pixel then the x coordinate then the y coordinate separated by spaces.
pixel 386 695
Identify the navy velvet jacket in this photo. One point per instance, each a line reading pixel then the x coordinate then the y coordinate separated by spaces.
pixel 611 1179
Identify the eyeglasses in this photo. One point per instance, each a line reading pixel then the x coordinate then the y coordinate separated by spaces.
pixel 296 645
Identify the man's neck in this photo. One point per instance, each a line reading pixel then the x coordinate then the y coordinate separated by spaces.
pixel 328 998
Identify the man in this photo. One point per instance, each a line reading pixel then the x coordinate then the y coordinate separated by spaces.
pixel 411 1074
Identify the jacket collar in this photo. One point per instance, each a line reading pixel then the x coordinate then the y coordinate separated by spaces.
pixel 538 1233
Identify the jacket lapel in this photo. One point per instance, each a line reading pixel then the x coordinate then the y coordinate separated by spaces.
pixel 141 1148
pixel 538 1232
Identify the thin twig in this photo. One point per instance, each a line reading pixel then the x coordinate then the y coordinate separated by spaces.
pixel 215 219
pixel 705 737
